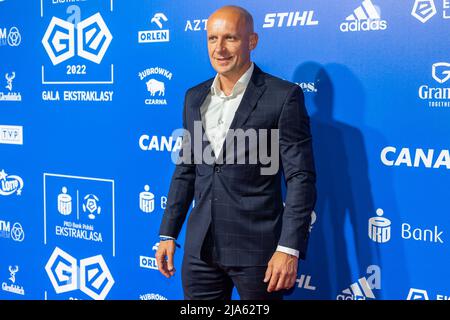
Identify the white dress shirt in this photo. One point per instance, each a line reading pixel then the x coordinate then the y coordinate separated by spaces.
pixel 217 112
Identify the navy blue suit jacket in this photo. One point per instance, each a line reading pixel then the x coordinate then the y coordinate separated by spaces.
pixel 244 208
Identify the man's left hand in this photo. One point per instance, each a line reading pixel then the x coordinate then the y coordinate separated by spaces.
pixel 281 271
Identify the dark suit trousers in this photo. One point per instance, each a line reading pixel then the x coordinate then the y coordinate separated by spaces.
pixel 206 279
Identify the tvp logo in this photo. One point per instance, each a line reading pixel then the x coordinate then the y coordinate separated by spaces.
pixel 92 39
pixel 91 276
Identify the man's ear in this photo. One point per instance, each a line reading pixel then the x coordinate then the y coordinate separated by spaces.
pixel 253 41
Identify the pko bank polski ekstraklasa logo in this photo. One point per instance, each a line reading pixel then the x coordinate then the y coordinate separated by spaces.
pixel 80 209
pixel 363 289
pixel 91 275
pixel 158 34
pixel 366 17
pixel 438 94
pixel 76 41
pixel 420 294
pixel 156 80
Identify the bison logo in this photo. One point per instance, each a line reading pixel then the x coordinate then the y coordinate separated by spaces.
pixel 155 86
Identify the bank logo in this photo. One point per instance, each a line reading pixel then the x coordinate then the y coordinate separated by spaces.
pixel 415 158
pixel 92 39
pixel 11 135
pixel 80 209
pixel 10 184
pixel 91 276
pixel 441 71
pixel 417 294
pixel 10 95
pixel 64 202
pixel 91 206
pixel 423 10
pixel 146 200
pixel 363 288
pixel 161 35
pixel 16 233
pixel 11 37
pixel 155 79
pixel 13 287
pixel 289 19
pixel 379 228
pixel 364 18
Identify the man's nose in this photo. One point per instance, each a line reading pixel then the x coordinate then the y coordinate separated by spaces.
pixel 220 46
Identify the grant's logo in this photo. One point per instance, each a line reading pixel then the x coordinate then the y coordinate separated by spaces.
pixel 441 71
pixel 10 184
pixel 91 40
pixel 92 276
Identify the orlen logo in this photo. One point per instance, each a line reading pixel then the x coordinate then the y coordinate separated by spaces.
pixel 92 39
pixel 290 19
pixel 364 18
pixel 92 276
pixel 10 184
pixel 390 156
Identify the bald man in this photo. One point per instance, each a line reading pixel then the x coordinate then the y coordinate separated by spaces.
pixel 240 234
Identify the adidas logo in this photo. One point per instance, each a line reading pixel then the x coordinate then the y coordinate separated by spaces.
pixel 359 290
pixel 364 18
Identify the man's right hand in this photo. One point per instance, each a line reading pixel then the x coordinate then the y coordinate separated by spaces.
pixel 166 249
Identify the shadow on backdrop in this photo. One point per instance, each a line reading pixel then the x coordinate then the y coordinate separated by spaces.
pixel 340 250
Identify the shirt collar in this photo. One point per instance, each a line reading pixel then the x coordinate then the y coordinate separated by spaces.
pixel 239 86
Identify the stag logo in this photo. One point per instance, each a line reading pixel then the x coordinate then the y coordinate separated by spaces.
pixel 9 79
pixel 12 272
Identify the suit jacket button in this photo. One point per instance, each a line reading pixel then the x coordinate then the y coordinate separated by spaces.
pixel 217 169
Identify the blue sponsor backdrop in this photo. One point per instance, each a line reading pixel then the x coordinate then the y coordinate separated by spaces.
pixel 91 91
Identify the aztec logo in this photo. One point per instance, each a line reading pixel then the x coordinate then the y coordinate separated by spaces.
pixel 364 18
pixel 92 276
pixel 423 10
pixel 92 39
pixel 363 288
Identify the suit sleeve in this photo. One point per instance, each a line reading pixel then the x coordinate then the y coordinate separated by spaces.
pixel 298 164
pixel 181 191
